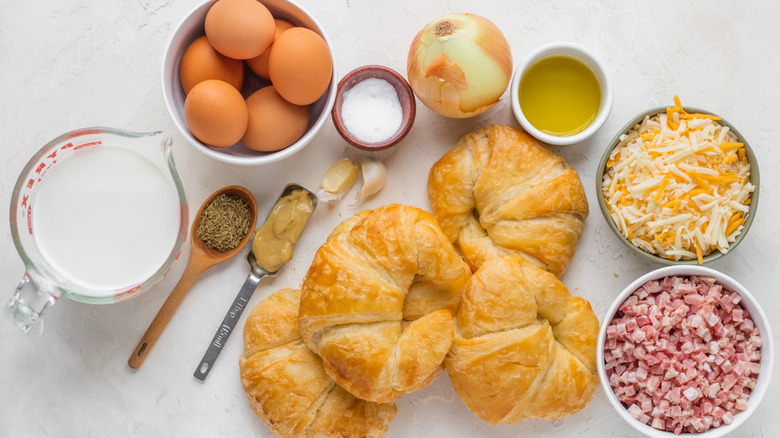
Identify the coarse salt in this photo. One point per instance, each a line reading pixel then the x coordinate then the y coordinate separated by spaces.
pixel 371 110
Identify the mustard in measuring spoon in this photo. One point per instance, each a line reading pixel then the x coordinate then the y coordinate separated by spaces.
pixel 273 241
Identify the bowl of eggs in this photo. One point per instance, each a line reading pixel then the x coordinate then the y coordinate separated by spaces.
pixel 249 82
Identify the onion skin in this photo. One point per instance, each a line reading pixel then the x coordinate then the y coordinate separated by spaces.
pixel 459 65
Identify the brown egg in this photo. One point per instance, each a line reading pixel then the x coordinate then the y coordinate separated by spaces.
pixel 240 29
pixel 300 66
pixel 216 113
pixel 274 123
pixel 200 62
pixel 259 65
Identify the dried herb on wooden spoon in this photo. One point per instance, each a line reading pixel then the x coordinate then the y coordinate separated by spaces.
pixel 224 222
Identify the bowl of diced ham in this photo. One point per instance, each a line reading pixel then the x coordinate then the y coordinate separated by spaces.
pixel 685 350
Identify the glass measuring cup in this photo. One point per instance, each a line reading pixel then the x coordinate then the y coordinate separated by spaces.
pixel 45 281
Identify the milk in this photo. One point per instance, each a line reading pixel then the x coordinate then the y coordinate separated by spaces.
pixel 106 218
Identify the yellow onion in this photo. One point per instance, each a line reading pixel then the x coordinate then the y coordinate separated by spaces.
pixel 459 65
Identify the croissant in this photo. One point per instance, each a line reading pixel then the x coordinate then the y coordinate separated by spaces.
pixel 500 192
pixel 287 386
pixel 378 301
pixel 525 347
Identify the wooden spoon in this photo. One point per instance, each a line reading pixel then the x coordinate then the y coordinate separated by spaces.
pixel 201 258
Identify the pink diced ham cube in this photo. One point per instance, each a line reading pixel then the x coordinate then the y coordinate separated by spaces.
pixel 694 299
pixel 635 411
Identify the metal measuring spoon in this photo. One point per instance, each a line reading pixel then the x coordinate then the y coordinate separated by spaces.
pixel 201 258
pixel 256 273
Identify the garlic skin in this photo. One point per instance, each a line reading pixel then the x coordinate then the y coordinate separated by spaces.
pixel 327 198
pixel 459 65
pixel 374 175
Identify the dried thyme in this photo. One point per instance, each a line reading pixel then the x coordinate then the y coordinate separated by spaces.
pixel 224 222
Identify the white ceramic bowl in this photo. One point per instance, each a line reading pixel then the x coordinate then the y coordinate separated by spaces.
pixel 192 28
pixel 756 313
pixel 581 54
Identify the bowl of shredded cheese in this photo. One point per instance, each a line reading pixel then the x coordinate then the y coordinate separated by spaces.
pixel 678 185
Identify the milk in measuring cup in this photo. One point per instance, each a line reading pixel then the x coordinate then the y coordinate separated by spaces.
pixel 106 217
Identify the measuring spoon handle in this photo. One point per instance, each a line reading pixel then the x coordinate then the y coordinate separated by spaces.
pixel 226 328
pixel 191 273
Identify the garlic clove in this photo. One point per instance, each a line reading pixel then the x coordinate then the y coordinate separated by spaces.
pixel 340 176
pixel 374 175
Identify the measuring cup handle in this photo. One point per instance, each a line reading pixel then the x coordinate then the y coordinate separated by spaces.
pixel 27 305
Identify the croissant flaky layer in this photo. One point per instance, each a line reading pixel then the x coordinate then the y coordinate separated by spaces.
pixel 525 347
pixel 500 192
pixel 377 303
pixel 287 385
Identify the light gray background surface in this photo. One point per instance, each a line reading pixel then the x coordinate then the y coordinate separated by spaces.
pixel 72 64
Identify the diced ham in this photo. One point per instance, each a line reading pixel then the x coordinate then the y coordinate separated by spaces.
pixel 691 394
pixel 714 389
pixel 694 299
pixel 682 354
pixel 635 411
pixel 741 368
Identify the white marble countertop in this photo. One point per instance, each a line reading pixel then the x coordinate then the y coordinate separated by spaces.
pixel 78 63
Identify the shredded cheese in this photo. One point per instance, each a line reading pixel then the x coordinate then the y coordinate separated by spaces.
pixel 677 185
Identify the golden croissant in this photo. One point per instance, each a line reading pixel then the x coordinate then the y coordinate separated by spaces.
pixel 525 347
pixel 377 303
pixel 287 385
pixel 500 192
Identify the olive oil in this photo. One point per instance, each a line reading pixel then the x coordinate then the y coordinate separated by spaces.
pixel 560 96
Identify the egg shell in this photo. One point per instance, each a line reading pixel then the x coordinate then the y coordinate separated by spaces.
pixel 274 123
pixel 201 62
pixel 216 113
pixel 240 29
pixel 259 65
pixel 300 65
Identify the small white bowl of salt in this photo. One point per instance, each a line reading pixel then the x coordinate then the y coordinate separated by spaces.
pixel 374 107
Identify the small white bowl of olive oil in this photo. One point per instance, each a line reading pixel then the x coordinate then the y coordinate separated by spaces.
pixel 561 94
